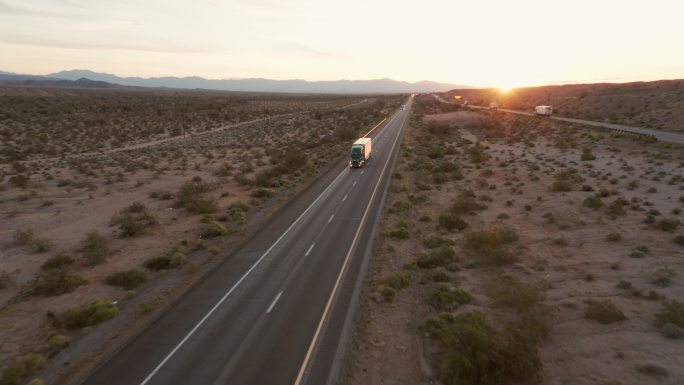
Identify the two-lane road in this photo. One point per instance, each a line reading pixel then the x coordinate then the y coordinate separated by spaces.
pixel 273 312
pixel 665 136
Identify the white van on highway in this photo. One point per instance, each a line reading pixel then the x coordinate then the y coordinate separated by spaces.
pixel 543 110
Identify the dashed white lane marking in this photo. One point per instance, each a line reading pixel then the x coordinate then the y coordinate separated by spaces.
pixel 345 198
pixel 354 184
pixel 274 302
pixel 331 218
pixel 308 251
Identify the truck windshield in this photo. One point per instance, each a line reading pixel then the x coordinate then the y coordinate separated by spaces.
pixel 357 150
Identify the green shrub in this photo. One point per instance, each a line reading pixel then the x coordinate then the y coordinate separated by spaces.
pixel 91 314
pixel 167 261
pixel 506 291
pixel 466 202
pixel 20 181
pixel 489 247
pixel 147 307
pixel 593 202
pixel 671 313
pixel 633 184
pixel 397 280
pixel 203 244
pixel 667 224
pixel 663 277
pixel 436 257
pixel 58 341
pixel 672 331
pixel 191 197
pixel 616 208
pixel 40 245
pixel 58 261
pixel 213 229
pixel 6 280
pixel 679 239
pixel 401 206
pixel 23 237
pixel 439 274
pixel 224 170
pixel 451 221
pixel 613 237
pixel 387 292
pixel 57 281
pixel 604 311
pixel 561 186
pixel 238 211
pixel 477 154
pixel 472 352
pixel 127 279
pixel 562 242
pixel 20 368
pixel 445 297
pixel 133 220
pixel 261 193
pixel 95 248
pixel 587 155
pixel 436 241
pixel 27 238
pixel 400 233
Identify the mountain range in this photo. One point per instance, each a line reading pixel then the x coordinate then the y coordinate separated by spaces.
pixel 245 85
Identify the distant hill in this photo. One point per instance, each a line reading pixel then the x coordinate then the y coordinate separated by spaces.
pixel 10 76
pixel 655 104
pixel 264 85
pixel 42 81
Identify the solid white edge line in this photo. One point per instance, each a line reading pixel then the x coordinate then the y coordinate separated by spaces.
pixel 376 126
pixel 302 369
pixel 213 309
pixel 274 302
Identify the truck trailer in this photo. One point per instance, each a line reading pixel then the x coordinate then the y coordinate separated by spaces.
pixel 360 153
pixel 543 110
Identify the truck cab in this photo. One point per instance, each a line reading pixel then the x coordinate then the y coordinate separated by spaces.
pixel 360 153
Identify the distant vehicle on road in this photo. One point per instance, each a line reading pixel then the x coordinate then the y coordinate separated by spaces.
pixel 403 107
pixel 360 153
pixel 543 110
pixel 493 106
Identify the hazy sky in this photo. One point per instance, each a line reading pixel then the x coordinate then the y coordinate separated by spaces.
pixel 482 43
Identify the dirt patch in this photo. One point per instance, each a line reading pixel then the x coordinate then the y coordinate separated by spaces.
pixel 564 191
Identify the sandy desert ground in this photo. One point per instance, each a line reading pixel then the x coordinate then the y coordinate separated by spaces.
pixel 522 250
pixel 98 235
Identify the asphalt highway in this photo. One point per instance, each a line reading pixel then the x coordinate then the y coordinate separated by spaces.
pixel 277 310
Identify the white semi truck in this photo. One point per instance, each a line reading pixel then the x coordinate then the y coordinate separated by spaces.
pixel 543 110
pixel 360 153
